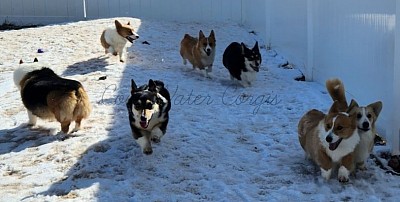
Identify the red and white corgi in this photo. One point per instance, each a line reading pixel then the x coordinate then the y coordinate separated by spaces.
pixel 329 140
pixel 199 51
pixel 366 119
pixel 114 39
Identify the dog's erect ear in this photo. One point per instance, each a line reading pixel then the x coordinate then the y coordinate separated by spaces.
pixel 352 107
pixel 334 108
pixel 118 24
pixel 243 47
pixel 35 60
pixel 201 34
pixel 212 35
pixel 133 87
pixel 376 107
pixel 255 48
pixel 21 61
pixel 152 86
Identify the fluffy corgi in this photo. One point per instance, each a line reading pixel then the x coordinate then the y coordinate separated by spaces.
pixel 366 118
pixel 114 39
pixel 48 96
pixel 242 63
pixel 148 109
pixel 329 140
pixel 199 51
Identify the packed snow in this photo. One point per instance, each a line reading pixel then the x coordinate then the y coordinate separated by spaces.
pixel 223 142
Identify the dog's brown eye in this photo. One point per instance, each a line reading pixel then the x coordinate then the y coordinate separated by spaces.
pixel 339 128
pixel 359 116
pixel 369 116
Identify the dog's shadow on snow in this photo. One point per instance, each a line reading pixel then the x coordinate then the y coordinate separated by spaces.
pixel 92 167
pixel 23 137
pixel 88 66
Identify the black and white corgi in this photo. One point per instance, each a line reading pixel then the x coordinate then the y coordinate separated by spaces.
pixel 242 63
pixel 148 109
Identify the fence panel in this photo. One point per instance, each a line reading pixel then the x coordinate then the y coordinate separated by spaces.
pixel 40 11
pixel 356 43
pixel 181 10
pixel 353 40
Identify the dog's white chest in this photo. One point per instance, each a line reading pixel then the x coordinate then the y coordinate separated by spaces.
pixel 207 60
pixel 113 38
pixel 249 76
pixel 363 148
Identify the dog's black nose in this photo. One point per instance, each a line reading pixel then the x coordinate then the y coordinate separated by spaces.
pixel 329 138
pixel 365 125
pixel 137 36
pixel 143 118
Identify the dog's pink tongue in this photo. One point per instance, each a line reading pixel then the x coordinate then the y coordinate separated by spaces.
pixel 143 124
pixel 334 145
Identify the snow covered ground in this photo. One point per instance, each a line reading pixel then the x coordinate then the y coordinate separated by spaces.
pixel 223 143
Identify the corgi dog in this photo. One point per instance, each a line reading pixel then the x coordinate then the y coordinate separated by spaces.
pixel 242 63
pixel 46 95
pixel 148 110
pixel 114 39
pixel 199 51
pixel 366 119
pixel 329 140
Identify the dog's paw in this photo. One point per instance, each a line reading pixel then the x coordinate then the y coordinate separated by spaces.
pixel 155 139
pixel 343 179
pixel 343 174
pixel 147 150
pixel 361 166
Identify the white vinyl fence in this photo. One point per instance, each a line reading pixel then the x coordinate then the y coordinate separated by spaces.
pixel 55 11
pixel 355 40
pixel 40 11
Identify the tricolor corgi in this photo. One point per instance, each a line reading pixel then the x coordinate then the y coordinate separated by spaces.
pixel 48 96
pixel 148 110
pixel 242 63
pixel 114 39
pixel 199 51
pixel 330 140
pixel 366 119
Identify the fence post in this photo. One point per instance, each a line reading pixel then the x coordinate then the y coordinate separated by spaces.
pixel 310 41
pixel 84 9
pixel 395 113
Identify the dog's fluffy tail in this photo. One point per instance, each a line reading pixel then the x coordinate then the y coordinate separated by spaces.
pixel 336 90
pixel 23 69
pixel 83 107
